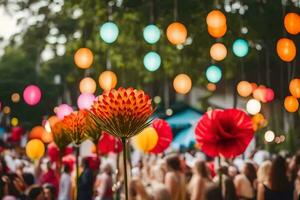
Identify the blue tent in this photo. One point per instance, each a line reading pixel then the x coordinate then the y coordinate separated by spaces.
pixel 183 124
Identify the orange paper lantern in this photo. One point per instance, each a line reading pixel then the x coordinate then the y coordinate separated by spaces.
pixel 83 58
pixel 292 23
pixel 218 51
pixel 215 19
pixel 217 32
pixel 295 87
pixel 87 85
pixel 291 104
pixel 37 132
pixel 107 80
pixel 286 49
pixel 182 83
pixel 47 137
pixel 211 87
pixel 176 33
pixel 244 88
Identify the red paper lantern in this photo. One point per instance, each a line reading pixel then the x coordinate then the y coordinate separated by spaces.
pixel 269 95
pixel 165 135
pixel 224 132
pixel 109 144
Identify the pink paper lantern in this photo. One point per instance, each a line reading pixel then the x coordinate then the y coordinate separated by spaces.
pixel 32 95
pixel 269 94
pixel 63 110
pixel 85 101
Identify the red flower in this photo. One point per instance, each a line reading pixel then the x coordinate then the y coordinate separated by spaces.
pixel 164 133
pixel 109 143
pixel 224 132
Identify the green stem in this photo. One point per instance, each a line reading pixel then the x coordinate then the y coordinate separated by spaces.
pixel 220 173
pixel 125 167
pixel 77 168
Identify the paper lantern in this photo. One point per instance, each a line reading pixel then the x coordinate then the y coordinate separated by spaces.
pixel 63 110
pixel 291 104
pixel 109 32
pixel 215 19
pixel 253 106
pixel 176 33
pixel 269 136
pixel 32 95
pixel 292 23
pixel 15 97
pixel 87 85
pixel 217 32
pixel 286 49
pixel 211 87
pixel 213 74
pixel 244 88
pixel 35 149
pixel 295 87
pixel 269 95
pixel 218 51
pixel 14 121
pixel 85 101
pixel 152 61
pixel 260 94
pixel 107 80
pixel 182 83
pixel 6 110
pixel 151 34
pixel 240 47
pixel 146 140
pixel 36 132
pixel 47 137
pixel 83 58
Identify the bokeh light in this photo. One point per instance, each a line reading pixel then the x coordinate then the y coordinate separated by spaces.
pixel 176 33
pixel 253 106
pixel 240 47
pixel 85 101
pixel 87 85
pixel 15 97
pixel 182 83
pixel 32 95
pixel 63 110
pixel 269 136
pixel 286 49
pixel 291 104
pixel 107 80
pixel 218 51
pixel 244 88
pixel 109 32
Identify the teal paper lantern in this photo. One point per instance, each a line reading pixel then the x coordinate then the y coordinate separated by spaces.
pixel 213 74
pixel 151 34
pixel 109 32
pixel 240 48
pixel 152 61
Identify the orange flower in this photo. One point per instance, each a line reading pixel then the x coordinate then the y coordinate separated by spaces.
pixel 75 125
pixel 123 112
pixel 60 138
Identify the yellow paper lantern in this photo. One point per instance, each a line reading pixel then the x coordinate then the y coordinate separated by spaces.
pixel 14 121
pixel 15 97
pixel 218 51
pixel 83 58
pixel 291 104
pixel 295 87
pixel 182 83
pixel 292 23
pixel 35 149
pixel 286 49
pixel 146 140
pixel 176 33
pixel 215 19
pixel 107 80
pixel 244 88
pixel 87 85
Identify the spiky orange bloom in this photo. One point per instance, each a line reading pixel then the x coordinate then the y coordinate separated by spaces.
pixel 123 112
pixel 60 138
pixel 75 125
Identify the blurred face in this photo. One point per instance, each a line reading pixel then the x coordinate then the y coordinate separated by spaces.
pixel 41 196
pixel 47 194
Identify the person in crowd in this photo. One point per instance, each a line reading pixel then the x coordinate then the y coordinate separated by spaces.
pixel 50 177
pixel 200 180
pixel 65 184
pixel 36 193
pixel 158 189
pixel 245 182
pixel 137 191
pixel 278 186
pixel 213 192
pixel 49 191
pixel 229 189
pixel 174 178
pixel 263 172
pixel 85 182
pixel 104 184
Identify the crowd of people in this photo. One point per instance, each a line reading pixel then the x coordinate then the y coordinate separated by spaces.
pixel 169 177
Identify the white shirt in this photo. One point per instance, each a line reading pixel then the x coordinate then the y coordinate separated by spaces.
pixel 65 187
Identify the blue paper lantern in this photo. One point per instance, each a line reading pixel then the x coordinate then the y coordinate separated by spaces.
pixel 151 34
pixel 213 74
pixel 152 61
pixel 109 32
pixel 240 48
